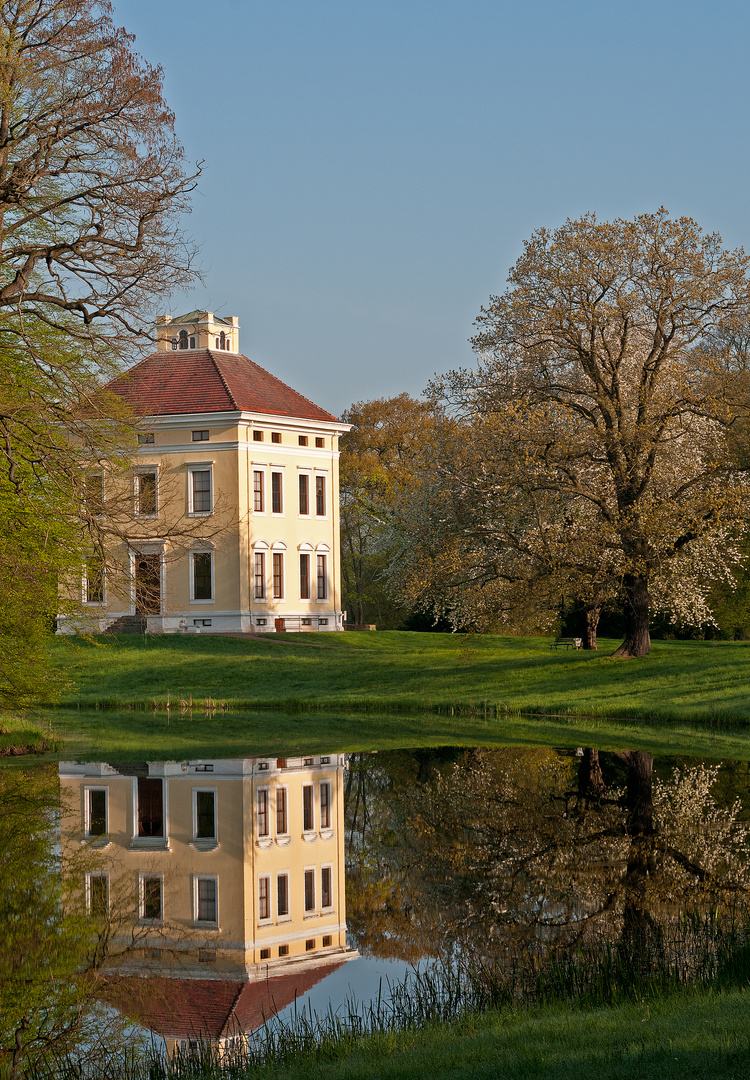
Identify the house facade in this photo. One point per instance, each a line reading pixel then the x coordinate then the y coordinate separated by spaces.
pixel 220 883
pixel 233 495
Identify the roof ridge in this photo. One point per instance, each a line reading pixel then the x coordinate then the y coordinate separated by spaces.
pixel 224 383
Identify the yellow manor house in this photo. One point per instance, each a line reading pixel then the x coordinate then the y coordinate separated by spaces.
pixel 231 520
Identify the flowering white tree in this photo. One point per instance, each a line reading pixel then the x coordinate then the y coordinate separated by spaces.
pixel 602 451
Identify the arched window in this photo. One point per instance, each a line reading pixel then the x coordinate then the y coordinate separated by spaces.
pixel 183 339
pixel 223 340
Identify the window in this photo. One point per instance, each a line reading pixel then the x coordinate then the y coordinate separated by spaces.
pixel 94 581
pixel 145 493
pixel 192 341
pixel 95 812
pixel 202 575
pixel 277 504
pixel 276 436
pixel 151 908
pixel 310 944
pixel 93 494
pixel 205 815
pixel 183 340
pixel 200 436
pixel 258 501
pixel 278 576
pixel 283 950
pixel 200 491
pixel 309 890
pixel 260 575
pixel 304 499
pixel 304 576
pixel 265 954
pixel 302 440
pixel 264 902
pixel 308 823
pixel 263 825
pixel 327 941
pixel 150 806
pixel 216 343
pixel 320 443
pixel 320 496
pixel 326 893
pixel 97 894
pixel 282 895
pixel 146 440
pixel 325 805
pixel 257 436
pixel 206 897
pixel 281 812
pixel 322 577
pixel 222 340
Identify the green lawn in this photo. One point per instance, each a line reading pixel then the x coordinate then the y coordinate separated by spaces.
pixel 395 670
pixel 700 1036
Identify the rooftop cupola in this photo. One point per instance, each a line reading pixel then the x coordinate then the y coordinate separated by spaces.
pixel 198 330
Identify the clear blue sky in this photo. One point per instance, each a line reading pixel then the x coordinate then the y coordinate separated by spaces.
pixel 372 167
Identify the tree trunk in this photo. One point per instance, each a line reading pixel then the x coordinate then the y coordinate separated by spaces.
pixel 591 786
pixel 641 937
pixel 637 638
pixel 588 620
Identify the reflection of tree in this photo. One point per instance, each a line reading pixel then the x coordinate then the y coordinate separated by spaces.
pixel 45 1008
pixel 520 851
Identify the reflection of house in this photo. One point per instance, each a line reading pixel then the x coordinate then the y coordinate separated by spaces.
pixel 223 870
pixel 231 518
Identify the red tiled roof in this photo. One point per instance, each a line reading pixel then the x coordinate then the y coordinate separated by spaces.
pixel 201 380
pixel 208 1008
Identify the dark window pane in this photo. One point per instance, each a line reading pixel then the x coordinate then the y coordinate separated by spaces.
pixel 282 891
pixel 263 813
pixel 325 806
pixel 98 895
pixel 281 822
pixel 147 493
pixel 325 887
pixel 303 494
pixel 150 807
pixel 202 575
pixel 97 813
pixel 309 890
pixel 304 577
pixel 276 502
pixel 264 903
pixel 152 898
pixel 206 813
pixel 307 807
pixel 207 900
pixel 320 495
pixel 201 491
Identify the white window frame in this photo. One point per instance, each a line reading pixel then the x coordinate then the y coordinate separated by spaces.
pixel 309 834
pixel 261 471
pixel 288 916
pixel 194 467
pixel 323 550
pixel 205 922
pixel 142 897
pixel 305 549
pixel 281 836
pixel 145 470
pixel 319 473
pixel 308 473
pixel 310 913
pixel 85 589
pixel 265 920
pixel 191 566
pixel 276 470
pixel 266 838
pixel 87 811
pixel 102 875
pixel 326 830
pixel 329 907
pixel 205 839
pixel 279 549
pixel 261 548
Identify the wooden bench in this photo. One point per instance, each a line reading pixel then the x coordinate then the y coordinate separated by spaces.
pixel 567 643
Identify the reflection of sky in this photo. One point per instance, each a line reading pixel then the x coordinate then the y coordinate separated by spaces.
pixel 358 981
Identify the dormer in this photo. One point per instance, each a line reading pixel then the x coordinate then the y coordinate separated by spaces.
pixel 198 330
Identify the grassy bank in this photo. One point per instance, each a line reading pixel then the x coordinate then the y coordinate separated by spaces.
pixel 702 1036
pixel 394 671
pixel 20 736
